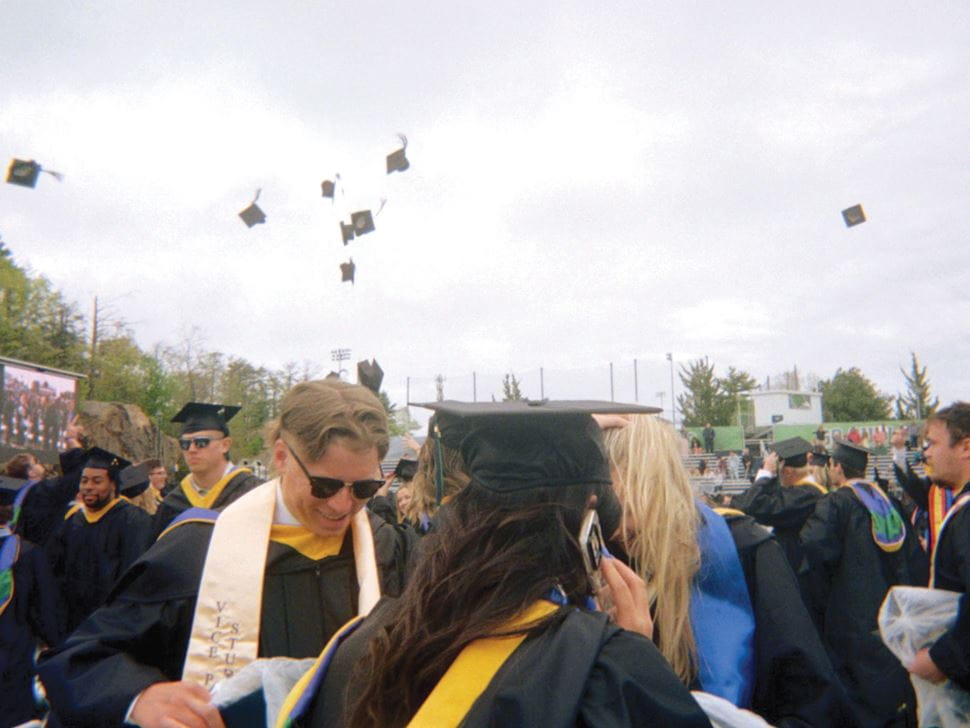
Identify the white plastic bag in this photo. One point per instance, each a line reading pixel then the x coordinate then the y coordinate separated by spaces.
pixel 275 676
pixel 725 714
pixel 910 619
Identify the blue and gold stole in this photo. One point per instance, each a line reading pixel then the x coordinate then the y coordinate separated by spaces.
pixel 888 529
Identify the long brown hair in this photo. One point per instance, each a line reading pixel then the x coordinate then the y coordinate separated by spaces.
pixel 484 565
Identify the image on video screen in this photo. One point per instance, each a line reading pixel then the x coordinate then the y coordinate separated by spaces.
pixel 35 408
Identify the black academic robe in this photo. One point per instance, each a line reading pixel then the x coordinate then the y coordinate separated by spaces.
pixel 33 615
pixel 140 636
pixel 177 502
pixel 847 579
pixel 581 671
pixel 784 508
pixel 88 558
pixel 951 652
pixel 795 683
pixel 46 502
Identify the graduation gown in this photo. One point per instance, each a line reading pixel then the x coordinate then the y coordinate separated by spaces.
pixel 582 670
pixel 140 636
pixel 795 683
pixel 47 500
pixel 183 496
pixel 87 558
pixel 951 570
pixel 847 579
pixel 32 615
pixel 784 508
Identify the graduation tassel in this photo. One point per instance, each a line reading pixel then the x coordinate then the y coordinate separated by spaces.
pixel 439 475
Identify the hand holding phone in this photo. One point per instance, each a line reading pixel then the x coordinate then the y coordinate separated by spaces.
pixel 591 546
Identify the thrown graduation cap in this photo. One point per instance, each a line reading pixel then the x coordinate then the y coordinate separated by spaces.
pixel 853 216
pixel 406 469
pixel 198 416
pixel 397 161
pixel 26 172
pixel 133 480
pixel 793 451
pixel 97 457
pixel 346 232
pixel 363 222
pixel 10 488
pixel 511 447
pixel 852 455
pixel 347 271
pixel 370 374
pixel 253 215
pixel 328 187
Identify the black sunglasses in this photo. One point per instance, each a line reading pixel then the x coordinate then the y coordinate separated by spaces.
pixel 201 443
pixel 324 487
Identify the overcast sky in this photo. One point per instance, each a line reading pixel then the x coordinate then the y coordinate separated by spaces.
pixel 589 182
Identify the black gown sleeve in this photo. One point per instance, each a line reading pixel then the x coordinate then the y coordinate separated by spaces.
pixel 773 505
pixel 821 539
pixel 45 613
pixel 951 652
pixel 44 506
pixel 915 487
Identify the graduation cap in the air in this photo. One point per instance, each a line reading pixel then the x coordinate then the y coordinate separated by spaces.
pixel 328 187
pixel 26 172
pixel 397 161
pixel 793 452
pixel 363 222
pixel 347 271
pixel 253 215
pixel 100 458
pixel 346 232
pixel 370 374
pixel 854 456
pixel 10 488
pixel 133 481
pixel 199 416
pixel 853 215
pixel 406 469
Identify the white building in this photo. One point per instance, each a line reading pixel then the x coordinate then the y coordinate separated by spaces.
pixel 784 406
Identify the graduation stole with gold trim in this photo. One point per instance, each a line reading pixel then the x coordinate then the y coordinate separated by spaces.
pixel 957 505
pixel 888 529
pixel 940 502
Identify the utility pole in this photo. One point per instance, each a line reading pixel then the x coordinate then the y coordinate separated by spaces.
pixel 340 356
pixel 94 347
pixel 673 401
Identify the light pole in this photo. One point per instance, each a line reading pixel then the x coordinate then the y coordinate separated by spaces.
pixel 340 356
pixel 661 396
pixel 673 402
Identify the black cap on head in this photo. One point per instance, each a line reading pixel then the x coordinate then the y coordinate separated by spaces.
pixel 850 455
pixel 820 458
pixel 363 222
pixel 97 457
pixel 347 271
pixel 23 172
pixel 327 188
pixel 133 480
pixel 253 215
pixel 853 215
pixel 370 374
pixel 198 416
pixel 9 488
pixel 793 452
pixel 346 232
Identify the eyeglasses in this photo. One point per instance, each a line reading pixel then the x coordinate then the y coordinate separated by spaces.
pixel 324 487
pixel 201 443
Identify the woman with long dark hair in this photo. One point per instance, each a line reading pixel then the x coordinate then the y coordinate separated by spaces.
pixel 495 626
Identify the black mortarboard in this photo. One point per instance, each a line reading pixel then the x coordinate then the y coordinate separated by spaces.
pixel 347 271
pixel 370 374
pixel 346 232
pixel 511 447
pixel 406 468
pixel 328 187
pixel 333 375
pixel 793 451
pixel 97 457
pixel 253 215
pixel 854 456
pixel 9 488
pixel 198 416
pixel 820 458
pixel 23 172
pixel 853 215
pixel 396 160
pixel 363 222
pixel 133 480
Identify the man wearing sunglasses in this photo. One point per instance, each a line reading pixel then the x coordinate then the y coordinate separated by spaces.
pixel 213 481
pixel 275 574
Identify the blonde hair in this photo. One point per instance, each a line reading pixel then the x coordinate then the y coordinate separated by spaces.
pixel 423 490
pixel 659 529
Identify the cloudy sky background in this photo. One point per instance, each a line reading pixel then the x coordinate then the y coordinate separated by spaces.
pixel 589 183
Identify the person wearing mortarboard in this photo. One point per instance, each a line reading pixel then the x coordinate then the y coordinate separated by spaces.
pixel 213 481
pixel 99 538
pixel 783 495
pixel 497 618
pixel 30 613
pixel 857 545
pixel 274 574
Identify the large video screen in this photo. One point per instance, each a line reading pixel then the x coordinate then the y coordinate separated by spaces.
pixel 35 408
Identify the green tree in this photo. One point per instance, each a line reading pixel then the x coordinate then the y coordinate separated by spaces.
pixel 918 402
pixel 511 391
pixel 703 399
pixel 849 396
pixel 733 384
pixel 399 421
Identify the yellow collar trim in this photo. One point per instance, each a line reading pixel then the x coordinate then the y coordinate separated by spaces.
pixel 92 516
pixel 206 501
pixel 309 544
pixel 472 671
pixel 813 484
pixel 725 512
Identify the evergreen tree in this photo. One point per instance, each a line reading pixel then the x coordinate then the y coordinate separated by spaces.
pixel 849 396
pixel 510 388
pixel 918 402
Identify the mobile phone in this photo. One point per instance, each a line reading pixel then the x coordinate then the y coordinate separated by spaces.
pixel 591 548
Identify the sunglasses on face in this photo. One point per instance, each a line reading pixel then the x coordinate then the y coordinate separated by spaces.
pixel 200 442
pixel 324 487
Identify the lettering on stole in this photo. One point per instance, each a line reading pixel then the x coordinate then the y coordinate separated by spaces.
pixel 222 646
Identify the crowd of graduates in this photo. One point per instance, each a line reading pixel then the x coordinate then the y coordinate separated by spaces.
pixel 529 563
